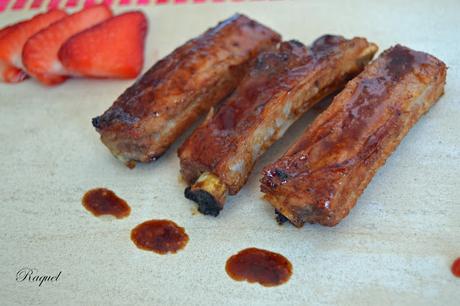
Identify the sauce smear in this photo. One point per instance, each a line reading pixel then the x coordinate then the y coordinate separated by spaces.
pixel 259 266
pixel 102 201
pixel 456 267
pixel 159 236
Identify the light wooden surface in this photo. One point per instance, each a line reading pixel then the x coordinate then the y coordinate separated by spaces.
pixel 396 247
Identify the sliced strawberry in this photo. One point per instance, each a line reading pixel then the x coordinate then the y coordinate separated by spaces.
pixel 5 30
pixel 13 38
pixel 9 73
pixel 41 50
pixel 114 48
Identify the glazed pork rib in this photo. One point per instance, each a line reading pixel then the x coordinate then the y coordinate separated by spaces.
pixel 146 119
pixel 279 87
pixel 319 179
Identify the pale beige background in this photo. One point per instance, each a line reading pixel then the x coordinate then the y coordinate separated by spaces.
pixel 396 247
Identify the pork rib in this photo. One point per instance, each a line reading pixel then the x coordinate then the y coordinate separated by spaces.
pixel 146 119
pixel 319 179
pixel 279 87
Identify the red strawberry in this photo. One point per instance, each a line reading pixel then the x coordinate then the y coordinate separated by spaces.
pixel 5 30
pixel 9 73
pixel 41 50
pixel 13 38
pixel 114 48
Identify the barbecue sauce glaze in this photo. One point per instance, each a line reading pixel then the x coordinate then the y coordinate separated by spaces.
pixel 102 201
pixel 456 267
pixel 159 236
pixel 259 266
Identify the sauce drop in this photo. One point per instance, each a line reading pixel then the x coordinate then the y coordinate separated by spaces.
pixel 456 267
pixel 102 201
pixel 256 265
pixel 159 236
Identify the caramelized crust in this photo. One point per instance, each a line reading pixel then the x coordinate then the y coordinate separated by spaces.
pixel 319 179
pixel 279 87
pixel 146 119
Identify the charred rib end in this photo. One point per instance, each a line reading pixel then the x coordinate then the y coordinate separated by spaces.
pixel 280 218
pixel 96 121
pixel 209 193
pixel 207 204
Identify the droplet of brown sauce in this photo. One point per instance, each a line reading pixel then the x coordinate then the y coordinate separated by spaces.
pixel 259 266
pixel 159 236
pixel 131 164
pixel 102 201
pixel 456 267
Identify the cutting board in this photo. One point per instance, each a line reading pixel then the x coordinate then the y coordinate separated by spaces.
pixel 396 246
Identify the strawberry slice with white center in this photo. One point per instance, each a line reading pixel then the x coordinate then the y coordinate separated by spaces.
pixel 13 38
pixel 40 54
pixel 112 49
